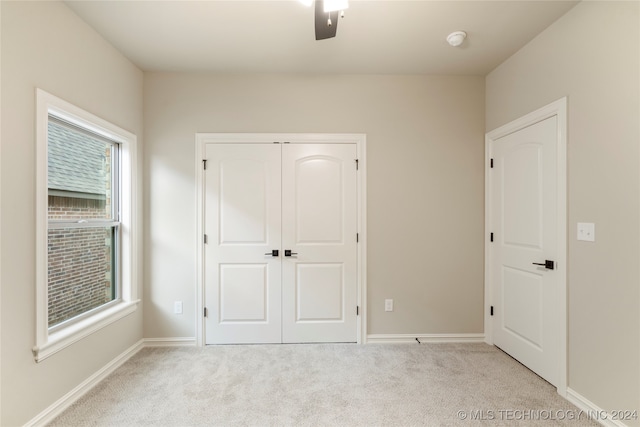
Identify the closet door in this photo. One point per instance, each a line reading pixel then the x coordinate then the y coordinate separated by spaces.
pixel 242 221
pixel 296 199
pixel 319 229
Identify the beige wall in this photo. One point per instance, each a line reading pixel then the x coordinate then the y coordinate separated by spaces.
pixel 425 185
pixel 47 46
pixel 591 55
pixel 425 145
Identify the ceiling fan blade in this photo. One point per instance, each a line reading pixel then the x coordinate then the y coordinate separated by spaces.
pixel 323 30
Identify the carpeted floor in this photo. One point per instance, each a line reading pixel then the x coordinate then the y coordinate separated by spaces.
pixel 322 385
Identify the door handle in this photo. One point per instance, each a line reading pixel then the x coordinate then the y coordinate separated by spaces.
pixel 274 252
pixel 547 264
pixel 287 252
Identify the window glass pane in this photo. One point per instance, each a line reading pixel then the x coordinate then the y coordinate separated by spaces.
pixel 80 169
pixel 81 271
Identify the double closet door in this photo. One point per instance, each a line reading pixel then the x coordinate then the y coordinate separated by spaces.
pixel 281 254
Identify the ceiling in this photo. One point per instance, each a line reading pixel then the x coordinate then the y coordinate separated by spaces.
pixel 269 36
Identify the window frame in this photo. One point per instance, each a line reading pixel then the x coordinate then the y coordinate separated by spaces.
pixel 112 222
pixel 51 340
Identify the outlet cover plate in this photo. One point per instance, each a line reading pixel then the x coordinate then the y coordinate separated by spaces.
pixel 587 231
pixel 177 307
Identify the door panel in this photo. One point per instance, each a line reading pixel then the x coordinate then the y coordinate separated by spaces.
pixel 522 186
pixel 524 215
pixel 319 226
pixel 243 293
pixel 522 300
pixel 319 292
pixel 242 221
pixel 318 196
pixel 243 201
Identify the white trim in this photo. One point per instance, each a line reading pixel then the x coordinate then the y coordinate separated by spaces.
pixel 424 338
pixel 591 410
pixel 170 342
pixel 558 109
pixel 293 138
pixel 361 146
pixel 84 387
pixel 48 343
pixel 1 352
pixel 199 185
pixel 488 196
pixel 65 337
pixel 0 212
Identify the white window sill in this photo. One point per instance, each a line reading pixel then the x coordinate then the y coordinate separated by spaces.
pixel 63 338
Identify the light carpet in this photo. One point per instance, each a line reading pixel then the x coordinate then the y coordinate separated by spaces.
pixel 322 385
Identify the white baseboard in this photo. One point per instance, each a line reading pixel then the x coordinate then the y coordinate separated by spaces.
pixel 170 342
pixel 592 411
pixel 68 399
pixel 424 338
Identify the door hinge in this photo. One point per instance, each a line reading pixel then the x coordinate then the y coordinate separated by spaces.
pixel 206 239
pixel 204 164
pixel 205 312
pixel 357 164
pixel 491 312
pixel 357 237
pixel 357 310
pixel 491 237
pixel 491 164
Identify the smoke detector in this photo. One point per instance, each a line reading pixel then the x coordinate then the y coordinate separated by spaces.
pixel 456 38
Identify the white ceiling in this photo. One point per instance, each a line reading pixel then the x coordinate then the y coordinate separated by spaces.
pixel 375 37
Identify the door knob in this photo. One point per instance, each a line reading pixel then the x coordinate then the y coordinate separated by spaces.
pixel 274 252
pixel 547 264
pixel 287 252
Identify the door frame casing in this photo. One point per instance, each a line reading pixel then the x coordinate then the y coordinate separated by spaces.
pixel 360 140
pixel 558 109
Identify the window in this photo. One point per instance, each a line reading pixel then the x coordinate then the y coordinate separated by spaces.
pixel 85 233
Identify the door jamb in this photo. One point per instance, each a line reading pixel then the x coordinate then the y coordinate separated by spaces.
pixel 558 109
pixel 202 139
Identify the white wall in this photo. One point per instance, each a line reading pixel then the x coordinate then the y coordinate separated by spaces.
pixel 45 45
pixel 592 55
pixel 425 145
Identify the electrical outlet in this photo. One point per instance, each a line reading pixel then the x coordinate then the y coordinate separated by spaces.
pixel 587 231
pixel 388 305
pixel 177 307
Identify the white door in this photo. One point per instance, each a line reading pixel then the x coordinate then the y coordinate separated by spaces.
pixel 319 228
pixel 524 188
pixel 242 220
pixel 299 200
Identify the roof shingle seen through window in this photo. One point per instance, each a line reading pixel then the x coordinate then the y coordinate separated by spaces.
pixel 76 162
